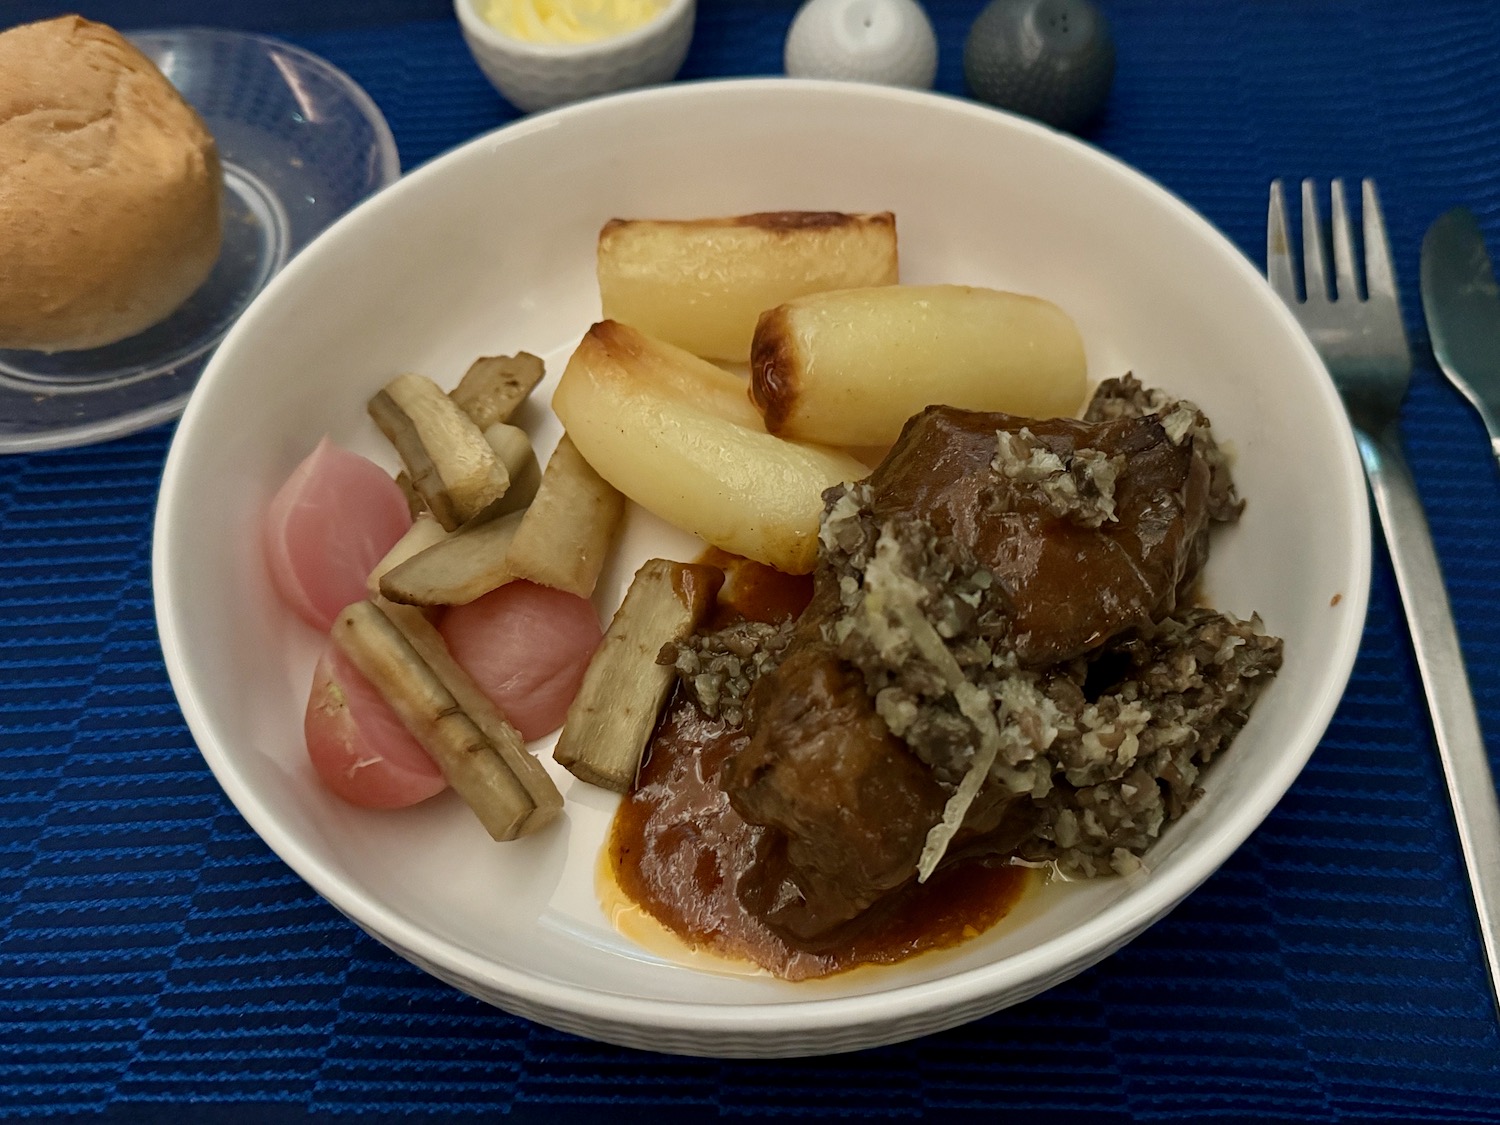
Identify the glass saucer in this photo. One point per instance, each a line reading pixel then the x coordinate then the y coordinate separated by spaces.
pixel 301 143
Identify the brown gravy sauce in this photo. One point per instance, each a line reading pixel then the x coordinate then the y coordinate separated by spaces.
pixel 677 849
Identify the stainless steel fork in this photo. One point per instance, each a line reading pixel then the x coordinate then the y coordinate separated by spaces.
pixel 1363 344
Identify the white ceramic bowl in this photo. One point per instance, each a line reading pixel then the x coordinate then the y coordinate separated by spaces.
pixel 534 76
pixel 433 272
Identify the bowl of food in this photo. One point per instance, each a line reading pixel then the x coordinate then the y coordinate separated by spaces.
pixel 543 53
pixel 914 646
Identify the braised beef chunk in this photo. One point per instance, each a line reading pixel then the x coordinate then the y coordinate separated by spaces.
pixel 943 470
pixel 848 803
pixel 1125 397
pixel 995 658
pixel 851 802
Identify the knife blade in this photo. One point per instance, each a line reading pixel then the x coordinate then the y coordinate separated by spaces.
pixel 1462 303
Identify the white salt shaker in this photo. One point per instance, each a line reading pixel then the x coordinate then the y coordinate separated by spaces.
pixel 885 41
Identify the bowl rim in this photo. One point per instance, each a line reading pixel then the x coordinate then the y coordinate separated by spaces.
pixel 1050 962
pixel 476 26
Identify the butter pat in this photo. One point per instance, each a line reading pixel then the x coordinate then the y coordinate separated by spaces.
pixel 568 21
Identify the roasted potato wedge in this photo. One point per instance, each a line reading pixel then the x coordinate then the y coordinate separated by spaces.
pixel 701 283
pixel 850 367
pixel 643 413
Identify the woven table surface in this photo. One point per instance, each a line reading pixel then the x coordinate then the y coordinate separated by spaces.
pixel 158 962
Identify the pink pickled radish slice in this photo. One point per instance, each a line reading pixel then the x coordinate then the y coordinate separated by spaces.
pixel 324 531
pixel 359 748
pixel 527 647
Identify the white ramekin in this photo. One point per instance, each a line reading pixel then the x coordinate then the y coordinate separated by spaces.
pixel 533 76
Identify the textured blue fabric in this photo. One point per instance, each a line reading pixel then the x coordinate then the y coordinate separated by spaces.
pixel 153 952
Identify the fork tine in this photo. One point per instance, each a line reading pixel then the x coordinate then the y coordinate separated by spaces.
pixel 1314 268
pixel 1279 246
pixel 1345 286
pixel 1380 277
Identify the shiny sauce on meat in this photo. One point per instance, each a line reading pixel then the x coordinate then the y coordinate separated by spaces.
pixel 677 849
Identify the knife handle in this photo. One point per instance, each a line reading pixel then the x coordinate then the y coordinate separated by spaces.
pixel 1455 722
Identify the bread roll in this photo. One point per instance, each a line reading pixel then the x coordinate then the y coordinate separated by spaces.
pixel 109 189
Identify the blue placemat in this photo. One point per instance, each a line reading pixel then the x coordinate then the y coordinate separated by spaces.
pixel 154 953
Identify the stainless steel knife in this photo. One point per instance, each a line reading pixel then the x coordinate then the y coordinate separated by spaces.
pixel 1462 303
